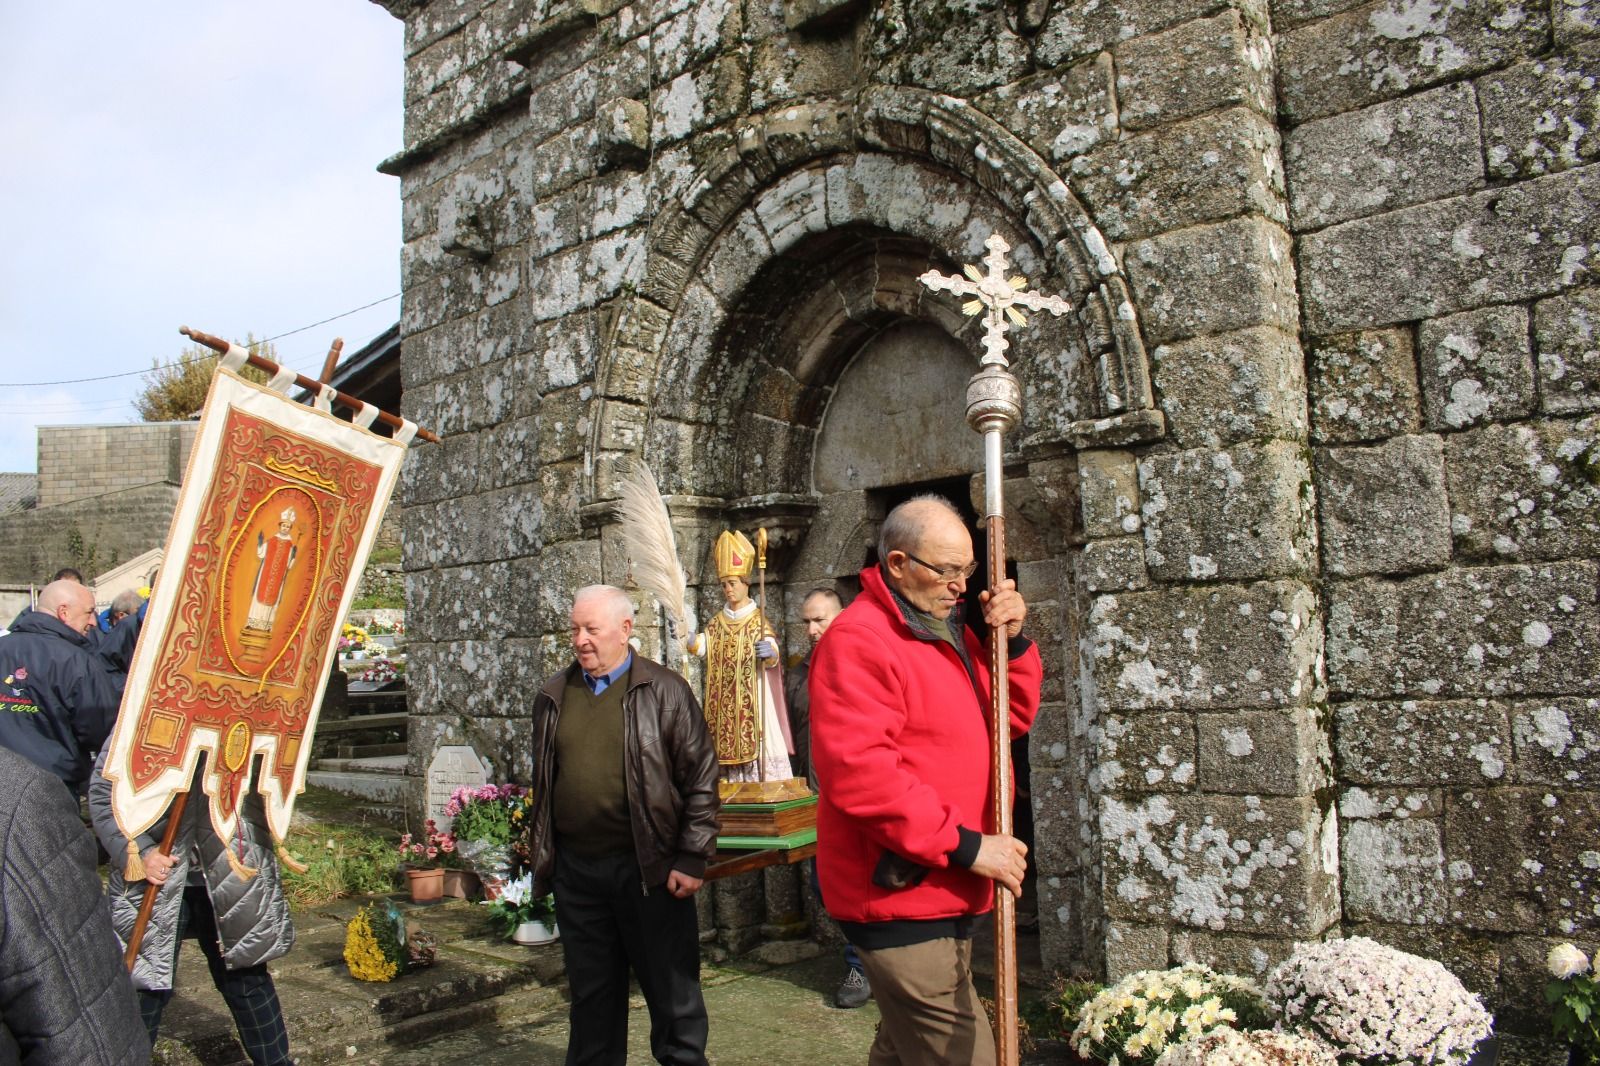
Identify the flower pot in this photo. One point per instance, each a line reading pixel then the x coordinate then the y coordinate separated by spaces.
pixel 426 886
pixel 491 886
pixel 535 933
pixel 460 884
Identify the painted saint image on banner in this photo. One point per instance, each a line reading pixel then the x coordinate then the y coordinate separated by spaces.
pixel 276 554
pixel 271 572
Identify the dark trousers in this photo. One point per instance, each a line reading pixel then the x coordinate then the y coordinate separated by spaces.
pixel 248 991
pixel 609 923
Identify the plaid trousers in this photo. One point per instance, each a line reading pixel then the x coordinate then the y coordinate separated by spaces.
pixel 248 991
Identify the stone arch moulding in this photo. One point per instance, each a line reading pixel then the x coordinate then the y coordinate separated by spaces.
pixel 889 120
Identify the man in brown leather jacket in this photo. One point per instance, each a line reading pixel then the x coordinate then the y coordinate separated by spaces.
pixel 623 824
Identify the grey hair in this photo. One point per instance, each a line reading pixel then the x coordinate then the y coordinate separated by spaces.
pixel 621 605
pixel 126 602
pixel 902 529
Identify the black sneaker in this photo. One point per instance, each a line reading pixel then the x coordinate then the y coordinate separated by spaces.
pixel 853 990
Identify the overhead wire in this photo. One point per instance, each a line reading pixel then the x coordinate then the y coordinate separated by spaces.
pixel 181 362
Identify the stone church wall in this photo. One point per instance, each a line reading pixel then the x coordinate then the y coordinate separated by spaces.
pixel 1305 499
pixel 1443 200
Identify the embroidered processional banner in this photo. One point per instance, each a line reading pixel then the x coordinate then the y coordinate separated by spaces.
pixel 276 517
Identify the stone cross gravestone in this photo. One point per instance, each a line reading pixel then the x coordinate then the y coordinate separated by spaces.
pixel 453 766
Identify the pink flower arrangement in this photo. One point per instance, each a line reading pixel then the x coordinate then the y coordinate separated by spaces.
pixel 425 850
pixel 488 813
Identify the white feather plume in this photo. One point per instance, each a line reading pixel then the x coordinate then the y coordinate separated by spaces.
pixel 653 549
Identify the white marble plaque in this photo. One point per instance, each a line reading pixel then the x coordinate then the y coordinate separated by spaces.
pixel 453 766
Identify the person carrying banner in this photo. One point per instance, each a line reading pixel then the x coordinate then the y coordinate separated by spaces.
pixel 226 894
pixel 900 740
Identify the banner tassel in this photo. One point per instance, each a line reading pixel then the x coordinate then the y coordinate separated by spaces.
pixel 288 860
pixel 134 870
pixel 240 870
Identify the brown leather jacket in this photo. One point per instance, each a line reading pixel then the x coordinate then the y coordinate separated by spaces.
pixel 670 772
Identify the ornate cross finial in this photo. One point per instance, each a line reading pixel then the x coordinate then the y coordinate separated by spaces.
pixel 996 295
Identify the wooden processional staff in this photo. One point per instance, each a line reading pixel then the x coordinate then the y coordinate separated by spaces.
pixel 994 406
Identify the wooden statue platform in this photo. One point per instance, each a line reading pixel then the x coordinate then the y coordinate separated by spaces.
pixel 766 815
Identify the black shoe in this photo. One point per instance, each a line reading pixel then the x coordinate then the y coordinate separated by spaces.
pixel 853 990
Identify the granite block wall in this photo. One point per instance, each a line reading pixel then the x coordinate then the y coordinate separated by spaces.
pixel 1315 456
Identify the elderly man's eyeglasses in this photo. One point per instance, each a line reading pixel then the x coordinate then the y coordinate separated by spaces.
pixel 947 574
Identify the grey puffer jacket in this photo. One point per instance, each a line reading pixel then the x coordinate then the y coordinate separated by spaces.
pixel 252 916
pixel 65 999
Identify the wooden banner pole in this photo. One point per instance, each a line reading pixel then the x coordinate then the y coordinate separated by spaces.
pixel 147 905
pixel 220 346
pixel 331 363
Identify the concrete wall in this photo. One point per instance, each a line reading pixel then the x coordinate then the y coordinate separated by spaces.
pixel 79 462
pixel 1306 495
pixel 106 495
pixel 93 535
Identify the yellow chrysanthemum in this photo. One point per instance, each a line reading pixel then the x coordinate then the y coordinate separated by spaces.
pixel 364 955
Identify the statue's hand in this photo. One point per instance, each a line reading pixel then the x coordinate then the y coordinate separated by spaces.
pixel 767 648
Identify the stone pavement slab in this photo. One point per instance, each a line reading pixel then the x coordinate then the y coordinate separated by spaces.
pixel 488 1001
pixel 759 1017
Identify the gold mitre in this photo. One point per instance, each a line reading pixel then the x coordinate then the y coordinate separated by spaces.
pixel 735 555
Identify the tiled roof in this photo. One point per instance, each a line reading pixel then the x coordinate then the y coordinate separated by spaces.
pixel 18 492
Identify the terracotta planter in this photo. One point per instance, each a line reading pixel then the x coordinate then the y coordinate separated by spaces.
pixel 427 886
pixel 535 933
pixel 460 884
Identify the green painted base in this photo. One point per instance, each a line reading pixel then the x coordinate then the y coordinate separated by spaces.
pixel 790 840
pixel 781 805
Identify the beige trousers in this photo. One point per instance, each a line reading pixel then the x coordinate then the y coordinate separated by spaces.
pixel 930 1009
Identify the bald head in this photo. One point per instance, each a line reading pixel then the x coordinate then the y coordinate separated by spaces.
pixel 817 611
pixel 70 603
pixel 926 554
pixel 906 525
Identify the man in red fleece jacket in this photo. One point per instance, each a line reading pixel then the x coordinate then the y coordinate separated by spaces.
pixel 906 854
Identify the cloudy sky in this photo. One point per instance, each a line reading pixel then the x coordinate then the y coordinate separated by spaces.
pixel 208 164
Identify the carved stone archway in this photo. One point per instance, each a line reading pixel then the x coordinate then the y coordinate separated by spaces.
pixel 780 185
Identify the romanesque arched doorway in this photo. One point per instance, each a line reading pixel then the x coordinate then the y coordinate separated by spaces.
pixel 780 313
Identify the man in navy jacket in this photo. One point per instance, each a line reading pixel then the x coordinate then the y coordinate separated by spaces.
pixel 57 702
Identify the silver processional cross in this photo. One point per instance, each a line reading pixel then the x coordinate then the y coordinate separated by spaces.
pixel 994 405
pixel 997 296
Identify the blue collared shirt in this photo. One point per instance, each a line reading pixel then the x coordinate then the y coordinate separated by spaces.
pixel 599 684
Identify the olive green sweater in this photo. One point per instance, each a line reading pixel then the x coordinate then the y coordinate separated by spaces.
pixel 589 801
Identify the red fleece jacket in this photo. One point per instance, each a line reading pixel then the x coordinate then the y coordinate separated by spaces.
pixel 900 741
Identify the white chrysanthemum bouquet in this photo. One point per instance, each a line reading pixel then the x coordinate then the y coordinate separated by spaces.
pixel 1574 995
pixel 1229 1047
pixel 1378 1005
pixel 1135 1019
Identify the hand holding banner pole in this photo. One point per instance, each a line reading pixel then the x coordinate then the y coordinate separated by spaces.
pixel 994 406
